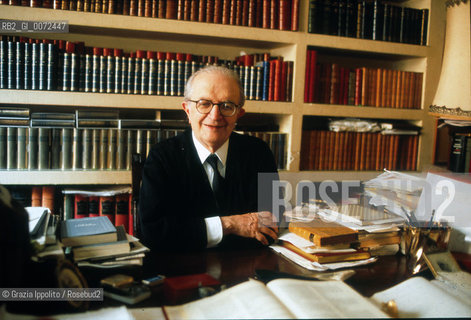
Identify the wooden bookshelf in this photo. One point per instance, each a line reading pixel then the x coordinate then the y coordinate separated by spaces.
pixel 226 41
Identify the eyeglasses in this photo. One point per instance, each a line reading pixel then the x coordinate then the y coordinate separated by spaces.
pixel 227 108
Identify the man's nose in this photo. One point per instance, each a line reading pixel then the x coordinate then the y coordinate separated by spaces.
pixel 215 112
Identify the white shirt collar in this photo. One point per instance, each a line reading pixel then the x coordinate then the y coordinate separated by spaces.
pixel 203 153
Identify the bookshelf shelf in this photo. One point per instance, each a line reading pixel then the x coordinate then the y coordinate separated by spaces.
pixel 110 100
pixel 449 116
pixel 354 45
pixel 154 28
pixel 63 177
pixel 361 112
pixel 131 33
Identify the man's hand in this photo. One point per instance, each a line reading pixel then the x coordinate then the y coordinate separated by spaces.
pixel 256 225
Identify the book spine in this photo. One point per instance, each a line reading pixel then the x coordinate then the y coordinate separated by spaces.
pixel 68 206
pixel 87 137
pixel 19 67
pixel 36 196
pixel 3 61
pixel 130 148
pixel 107 208
pixel 121 138
pixel 122 211
pixel 55 148
pixel 11 82
pixel 144 76
pixel 103 75
pixel 152 86
pixel 48 198
pixel 21 148
pixel 124 75
pixel 130 73
pixel 103 149
pixel 80 206
pixel 95 149
pixel 93 206
pixel 43 148
pixel 111 149
pixel 32 148
pixel 137 73
pixel 66 148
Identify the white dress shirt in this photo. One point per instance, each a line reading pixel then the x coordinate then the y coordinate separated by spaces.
pixel 213 224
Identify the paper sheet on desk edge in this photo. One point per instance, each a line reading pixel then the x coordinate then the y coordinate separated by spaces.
pixel 314 266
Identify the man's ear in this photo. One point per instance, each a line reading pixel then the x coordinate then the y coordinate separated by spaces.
pixel 186 108
pixel 240 113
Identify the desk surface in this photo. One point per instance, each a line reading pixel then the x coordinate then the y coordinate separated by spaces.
pixel 234 266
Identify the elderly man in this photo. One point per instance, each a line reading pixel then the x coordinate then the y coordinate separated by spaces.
pixel 199 189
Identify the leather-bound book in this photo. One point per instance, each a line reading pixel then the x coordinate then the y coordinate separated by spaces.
pixel 152 73
pixel 323 233
pixel 252 14
pixel 245 13
pixel 181 9
pixel 202 11
pixel 162 9
pixel 226 11
pixel 274 14
pixel 194 10
pixel 19 59
pixel 233 13
pixel 294 23
pixel 209 11
pixel 238 12
pixel 141 8
pixel 133 7
pixel 155 8
pixel 217 16
pixel 171 9
pixel 126 7
pixel 284 15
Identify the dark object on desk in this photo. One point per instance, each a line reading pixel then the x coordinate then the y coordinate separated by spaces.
pixel 130 293
pixel 182 289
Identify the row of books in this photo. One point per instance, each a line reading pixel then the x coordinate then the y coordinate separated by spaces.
pixel 67 66
pixel 277 142
pixel 93 149
pixel 378 87
pixel 271 14
pixel 71 148
pixel 328 150
pixel 369 19
pixel 118 208
pixel 460 153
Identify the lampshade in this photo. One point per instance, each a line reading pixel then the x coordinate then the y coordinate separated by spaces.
pixel 453 96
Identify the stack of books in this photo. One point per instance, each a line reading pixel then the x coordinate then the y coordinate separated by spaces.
pixel 327 242
pixel 95 241
pixel 378 231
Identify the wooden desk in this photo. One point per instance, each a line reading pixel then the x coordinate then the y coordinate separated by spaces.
pixel 234 266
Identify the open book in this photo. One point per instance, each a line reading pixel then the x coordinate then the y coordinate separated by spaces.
pixel 281 298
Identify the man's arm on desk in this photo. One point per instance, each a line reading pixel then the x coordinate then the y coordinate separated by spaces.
pixel 256 225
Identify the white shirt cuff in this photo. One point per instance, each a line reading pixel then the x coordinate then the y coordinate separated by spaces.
pixel 213 231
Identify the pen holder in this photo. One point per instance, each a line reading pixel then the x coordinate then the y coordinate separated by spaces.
pixel 417 240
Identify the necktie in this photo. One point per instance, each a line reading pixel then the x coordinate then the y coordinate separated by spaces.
pixel 218 180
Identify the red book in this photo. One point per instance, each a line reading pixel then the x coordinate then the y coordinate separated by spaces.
pixel 294 15
pixel 312 76
pixel 266 14
pixel 274 8
pixel 187 10
pixel 171 10
pixel 245 13
pixel 36 196
pixel 283 80
pixel 238 12
pixel 161 11
pixel 131 210
pixel 217 16
pixel 107 208
pixel 289 80
pixel 122 211
pixel 278 76
pixel 48 198
pixel 181 9
pixel 358 89
pixel 209 11
pixel 80 206
pixel 226 11
pixel 251 20
pixel 258 13
pixel 284 15
pixel 271 80
pixel 93 206
pixel 202 11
